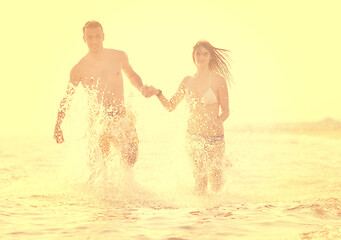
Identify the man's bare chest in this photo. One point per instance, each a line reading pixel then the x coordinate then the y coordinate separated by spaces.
pixel 102 74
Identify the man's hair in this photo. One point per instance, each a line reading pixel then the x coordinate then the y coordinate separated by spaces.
pixel 92 24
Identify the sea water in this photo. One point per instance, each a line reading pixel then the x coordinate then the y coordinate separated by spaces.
pixel 277 186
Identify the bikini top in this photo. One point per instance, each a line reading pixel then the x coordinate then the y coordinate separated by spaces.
pixel 208 97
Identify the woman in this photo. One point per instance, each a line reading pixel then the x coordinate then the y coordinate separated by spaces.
pixel 207 95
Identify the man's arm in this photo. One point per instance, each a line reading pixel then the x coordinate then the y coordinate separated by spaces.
pixel 65 104
pixel 133 77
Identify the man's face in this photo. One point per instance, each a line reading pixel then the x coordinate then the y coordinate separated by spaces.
pixel 94 38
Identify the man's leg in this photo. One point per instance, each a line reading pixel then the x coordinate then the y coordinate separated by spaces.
pixel 104 143
pixel 130 152
pixel 128 141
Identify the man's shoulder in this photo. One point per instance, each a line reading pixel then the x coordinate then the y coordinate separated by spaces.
pixel 78 66
pixel 81 62
pixel 115 52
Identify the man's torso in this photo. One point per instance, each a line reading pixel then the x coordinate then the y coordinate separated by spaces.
pixel 102 78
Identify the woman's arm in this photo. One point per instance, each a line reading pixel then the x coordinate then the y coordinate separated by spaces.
pixel 171 104
pixel 223 97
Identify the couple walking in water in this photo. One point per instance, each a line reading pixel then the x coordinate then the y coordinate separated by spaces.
pixel 206 93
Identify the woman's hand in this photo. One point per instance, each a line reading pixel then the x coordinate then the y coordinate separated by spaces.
pixel 216 122
pixel 149 91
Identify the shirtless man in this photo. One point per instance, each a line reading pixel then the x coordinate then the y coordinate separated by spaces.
pixel 100 72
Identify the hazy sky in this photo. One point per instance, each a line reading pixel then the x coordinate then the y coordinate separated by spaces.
pixel 285 54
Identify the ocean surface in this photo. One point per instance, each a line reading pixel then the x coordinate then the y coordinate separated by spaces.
pixel 278 185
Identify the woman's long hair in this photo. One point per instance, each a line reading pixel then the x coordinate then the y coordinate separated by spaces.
pixel 219 62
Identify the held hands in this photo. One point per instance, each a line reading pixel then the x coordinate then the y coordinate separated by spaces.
pixel 148 91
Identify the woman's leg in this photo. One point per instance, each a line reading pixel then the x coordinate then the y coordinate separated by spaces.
pixel 198 156
pixel 215 154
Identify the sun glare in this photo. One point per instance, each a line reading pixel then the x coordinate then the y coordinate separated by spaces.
pixel 284 67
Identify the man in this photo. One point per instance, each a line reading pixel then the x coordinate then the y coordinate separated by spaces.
pixel 100 73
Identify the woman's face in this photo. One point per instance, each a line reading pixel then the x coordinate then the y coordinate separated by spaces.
pixel 202 57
